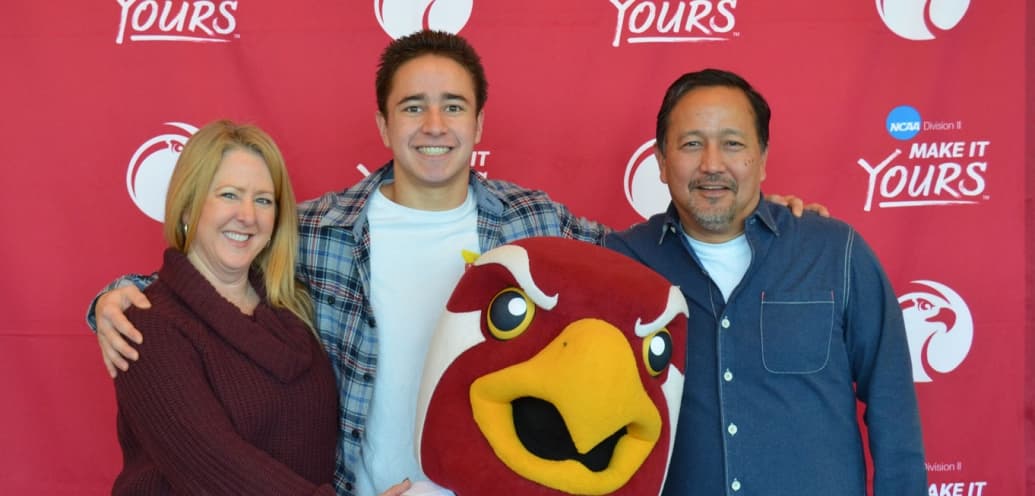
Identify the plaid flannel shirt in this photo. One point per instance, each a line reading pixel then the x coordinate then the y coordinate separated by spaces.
pixel 334 260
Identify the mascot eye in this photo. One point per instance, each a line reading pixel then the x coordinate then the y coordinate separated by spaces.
pixel 657 351
pixel 510 313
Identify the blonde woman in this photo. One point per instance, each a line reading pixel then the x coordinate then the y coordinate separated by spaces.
pixel 233 393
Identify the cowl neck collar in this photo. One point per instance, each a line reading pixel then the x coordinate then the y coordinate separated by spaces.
pixel 274 339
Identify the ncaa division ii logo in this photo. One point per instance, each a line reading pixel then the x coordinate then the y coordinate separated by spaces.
pixel 939 328
pixel 402 17
pixel 912 19
pixel 933 173
pixel 903 122
pixel 147 177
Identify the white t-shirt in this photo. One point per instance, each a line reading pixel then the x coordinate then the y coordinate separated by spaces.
pixel 415 262
pixel 725 262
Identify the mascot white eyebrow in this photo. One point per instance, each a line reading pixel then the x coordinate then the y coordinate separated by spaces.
pixel 556 369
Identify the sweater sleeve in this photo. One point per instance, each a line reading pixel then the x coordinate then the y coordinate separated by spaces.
pixel 169 407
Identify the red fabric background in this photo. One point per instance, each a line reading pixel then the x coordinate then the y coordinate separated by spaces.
pixel 567 111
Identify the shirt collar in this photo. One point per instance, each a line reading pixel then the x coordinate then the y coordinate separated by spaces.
pixel 349 205
pixel 486 201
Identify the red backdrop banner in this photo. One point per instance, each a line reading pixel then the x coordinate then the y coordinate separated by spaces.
pixel 908 118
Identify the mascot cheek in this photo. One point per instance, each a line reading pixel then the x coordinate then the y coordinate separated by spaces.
pixel 556 370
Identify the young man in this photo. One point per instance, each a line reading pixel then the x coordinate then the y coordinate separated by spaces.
pixel 382 257
pixel 792 319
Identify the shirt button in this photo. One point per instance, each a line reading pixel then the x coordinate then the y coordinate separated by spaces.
pixel 355 433
pixel 330 300
pixel 727 376
pixel 725 323
pixel 732 429
pixel 735 485
pixel 368 377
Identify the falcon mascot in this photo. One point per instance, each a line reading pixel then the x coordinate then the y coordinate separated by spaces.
pixel 557 368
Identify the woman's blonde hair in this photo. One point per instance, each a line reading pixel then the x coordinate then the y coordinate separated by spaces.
pixel 189 186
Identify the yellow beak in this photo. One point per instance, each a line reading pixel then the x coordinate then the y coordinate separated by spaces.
pixel 575 417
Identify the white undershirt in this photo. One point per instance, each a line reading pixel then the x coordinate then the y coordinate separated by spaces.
pixel 725 262
pixel 415 261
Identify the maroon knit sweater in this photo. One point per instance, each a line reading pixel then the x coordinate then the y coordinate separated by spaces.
pixel 221 402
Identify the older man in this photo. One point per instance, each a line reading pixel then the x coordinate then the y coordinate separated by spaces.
pixel 792 320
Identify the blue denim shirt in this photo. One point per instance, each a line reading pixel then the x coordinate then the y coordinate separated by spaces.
pixel 773 376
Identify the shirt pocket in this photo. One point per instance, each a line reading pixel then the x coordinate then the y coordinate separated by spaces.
pixel 796 328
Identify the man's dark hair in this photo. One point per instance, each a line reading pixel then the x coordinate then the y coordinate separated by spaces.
pixel 438 43
pixel 713 77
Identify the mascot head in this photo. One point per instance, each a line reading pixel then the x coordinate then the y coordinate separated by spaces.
pixel 556 369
